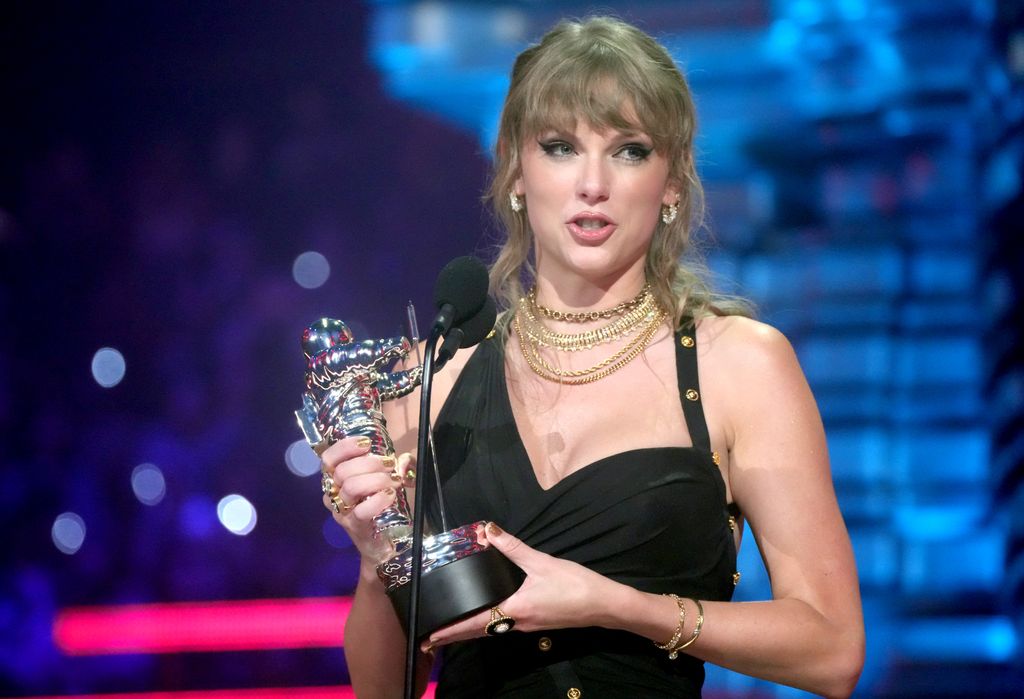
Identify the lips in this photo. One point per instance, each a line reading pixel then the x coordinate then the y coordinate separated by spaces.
pixel 591 227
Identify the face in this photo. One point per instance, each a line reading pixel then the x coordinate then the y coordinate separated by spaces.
pixel 593 199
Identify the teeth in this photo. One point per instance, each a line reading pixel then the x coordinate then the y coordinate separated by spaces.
pixel 591 224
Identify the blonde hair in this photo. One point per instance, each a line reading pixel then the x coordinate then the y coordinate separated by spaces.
pixel 612 75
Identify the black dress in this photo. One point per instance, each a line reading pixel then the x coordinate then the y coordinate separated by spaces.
pixel 655 519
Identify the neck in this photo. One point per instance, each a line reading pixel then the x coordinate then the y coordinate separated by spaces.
pixel 577 294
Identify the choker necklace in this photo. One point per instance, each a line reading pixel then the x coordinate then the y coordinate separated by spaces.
pixel 584 316
pixel 623 326
pixel 642 316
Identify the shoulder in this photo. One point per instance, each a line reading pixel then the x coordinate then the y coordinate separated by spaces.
pixel 744 343
pixel 751 370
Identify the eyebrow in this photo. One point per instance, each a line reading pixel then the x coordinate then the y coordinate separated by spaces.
pixel 564 133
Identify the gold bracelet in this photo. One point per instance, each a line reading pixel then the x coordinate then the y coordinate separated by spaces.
pixel 679 629
pixel 696 629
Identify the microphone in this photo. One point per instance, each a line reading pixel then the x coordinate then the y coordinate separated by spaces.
pixel 460 292
pixel 469 333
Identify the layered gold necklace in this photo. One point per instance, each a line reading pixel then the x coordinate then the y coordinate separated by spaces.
pixel 639 317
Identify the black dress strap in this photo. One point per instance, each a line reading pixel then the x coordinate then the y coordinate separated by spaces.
pixel 689 386
pixel 689 394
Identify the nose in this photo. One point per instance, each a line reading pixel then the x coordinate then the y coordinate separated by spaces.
pixel 593 185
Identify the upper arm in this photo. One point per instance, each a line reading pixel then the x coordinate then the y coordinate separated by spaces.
pixel 779 472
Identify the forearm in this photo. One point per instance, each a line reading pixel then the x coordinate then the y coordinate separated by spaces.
pixel 785 640
pixel 375 643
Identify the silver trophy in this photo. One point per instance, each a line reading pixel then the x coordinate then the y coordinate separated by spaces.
pixel 346 381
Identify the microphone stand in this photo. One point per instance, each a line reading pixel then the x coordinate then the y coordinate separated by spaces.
pixel 426 384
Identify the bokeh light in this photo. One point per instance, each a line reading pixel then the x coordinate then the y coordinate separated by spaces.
pixel 300 459
pixel 68 532
pixel 148 484
pixel 311 270
pixel 108 367
pixel 335 535
pixel 236 514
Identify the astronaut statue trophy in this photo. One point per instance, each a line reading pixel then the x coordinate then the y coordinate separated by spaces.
pixel 346 381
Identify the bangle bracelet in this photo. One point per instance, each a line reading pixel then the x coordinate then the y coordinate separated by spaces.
pixel 696 629
pixel 679 629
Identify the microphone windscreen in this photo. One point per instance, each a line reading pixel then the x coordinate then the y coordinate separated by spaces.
pixel 476 328
pixel 463 285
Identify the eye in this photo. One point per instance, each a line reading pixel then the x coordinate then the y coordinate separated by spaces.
pixel 556 149
pixel 634 152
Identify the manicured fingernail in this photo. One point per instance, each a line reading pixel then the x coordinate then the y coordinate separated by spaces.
pixel 493 529
pixel 363 442
pixel 395 477
pixel 388 461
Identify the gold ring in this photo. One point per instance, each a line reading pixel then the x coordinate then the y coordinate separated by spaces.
pixel 327 484
pixel 499 624
pixel 339 505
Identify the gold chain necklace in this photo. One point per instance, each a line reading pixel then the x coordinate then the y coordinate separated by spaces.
pixel 531 353
pixel 625 325
pixel 584 316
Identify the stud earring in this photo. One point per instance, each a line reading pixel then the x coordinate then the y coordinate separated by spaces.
pixel 515 202
pixel 669 213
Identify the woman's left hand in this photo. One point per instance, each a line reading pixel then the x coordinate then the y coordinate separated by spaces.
pixel 556 594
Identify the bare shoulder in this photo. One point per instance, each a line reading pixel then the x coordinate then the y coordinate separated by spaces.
pixel 751 370
pixel 744 344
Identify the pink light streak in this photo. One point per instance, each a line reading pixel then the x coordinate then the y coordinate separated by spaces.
pixel 339 692
pixel 180 627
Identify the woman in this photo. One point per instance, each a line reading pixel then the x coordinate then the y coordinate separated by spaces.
pixel 621 425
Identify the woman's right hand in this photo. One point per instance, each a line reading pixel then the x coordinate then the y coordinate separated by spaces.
pixel 363 486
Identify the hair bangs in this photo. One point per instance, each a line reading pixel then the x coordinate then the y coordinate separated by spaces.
pixel 603 89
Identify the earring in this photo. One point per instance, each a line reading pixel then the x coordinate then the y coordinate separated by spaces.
pixel 669 213
pixel 515 202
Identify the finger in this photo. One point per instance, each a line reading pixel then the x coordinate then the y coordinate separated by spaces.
pixel 470 627
pixel 356 488
pixel 366 463
pixel 338 506
pixel 405 469
pixel 514 549
pixel 373 504
pixel 343 450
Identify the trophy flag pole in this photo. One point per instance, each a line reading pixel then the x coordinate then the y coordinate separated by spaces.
pixel 414 338
pixel 426 383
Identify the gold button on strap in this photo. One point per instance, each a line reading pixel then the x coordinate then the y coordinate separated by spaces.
pixel 544 643
pixel 686 341
pixel 716 458
pixel 732 523
pixel 736 578
pixel 574 693
pixel 691 394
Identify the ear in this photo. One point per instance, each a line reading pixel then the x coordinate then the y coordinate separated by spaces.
pixel 517 187
pixel 672 193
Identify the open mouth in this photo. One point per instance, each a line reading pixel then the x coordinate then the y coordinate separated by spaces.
pixel 591 226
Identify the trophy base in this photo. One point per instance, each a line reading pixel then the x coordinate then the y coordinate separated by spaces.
pixel 458 589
